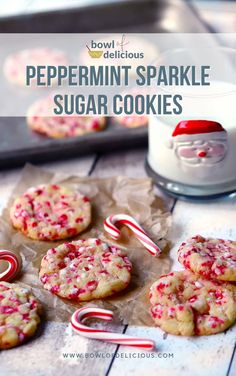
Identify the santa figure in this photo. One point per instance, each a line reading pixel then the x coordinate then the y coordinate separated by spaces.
pixel 199 142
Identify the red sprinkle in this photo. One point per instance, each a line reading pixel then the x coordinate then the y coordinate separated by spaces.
pixel 72 231
pixel 63 218
pixel 71 247
pixel 55 289
pixel 79 220
pixel 92 285
pixel 193 299
pixel 62 265
pixel 86 199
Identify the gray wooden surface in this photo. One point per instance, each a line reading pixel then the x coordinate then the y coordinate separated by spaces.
pixel 205 356
pixel 186 356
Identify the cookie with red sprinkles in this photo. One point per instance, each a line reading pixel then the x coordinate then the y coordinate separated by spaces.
pixel 51 212
pixel 85 269
pixel 210 258
pixel 19 315
pixel 184 304
pixel 15 64
pixel 132 121
pixel 40 119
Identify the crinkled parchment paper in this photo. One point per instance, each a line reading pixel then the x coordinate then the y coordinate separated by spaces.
pixel 108 196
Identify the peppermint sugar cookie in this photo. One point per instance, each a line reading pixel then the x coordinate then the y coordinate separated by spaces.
pixel 85 270
pixel 51 212
pixel 132 121
pixel 184 304
pixel 15 64
pixel 40 119
pixel 19 315
pixel 210 258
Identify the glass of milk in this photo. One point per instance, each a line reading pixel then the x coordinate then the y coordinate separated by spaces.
pixel 193 155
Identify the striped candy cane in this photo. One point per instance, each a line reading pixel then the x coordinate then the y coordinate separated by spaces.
pixel 124 219
pixel 82 314
pixel 13 265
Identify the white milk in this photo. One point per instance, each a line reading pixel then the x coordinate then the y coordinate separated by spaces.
pixel 218 103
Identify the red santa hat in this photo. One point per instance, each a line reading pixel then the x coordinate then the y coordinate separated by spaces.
pixel 198 127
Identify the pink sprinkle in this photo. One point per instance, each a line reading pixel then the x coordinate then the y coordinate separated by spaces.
pixel 55 289
pixel 104 272
pixel 39 191
pixel 157 311
pixel 86 199
pixel 33 304
pixel 63 218
pixel 7 310
pixel 25 316
pixel 44 278
pixel 219 294
pixel 161 286
pixel 193 299
pixel 79 220
pixel 21 336
pixel 81 291
pixel 62 265
pixel 72 231
pixel 95 125
pixel 51 251
pixel 71 247
pixel 92 285
pixel 171 312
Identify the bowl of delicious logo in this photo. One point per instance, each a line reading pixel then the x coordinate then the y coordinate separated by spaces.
pixel 96 54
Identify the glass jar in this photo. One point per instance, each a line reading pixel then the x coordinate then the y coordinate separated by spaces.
pixel 193 155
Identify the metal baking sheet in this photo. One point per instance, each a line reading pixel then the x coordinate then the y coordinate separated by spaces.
pixel 149 16
pixel 18 144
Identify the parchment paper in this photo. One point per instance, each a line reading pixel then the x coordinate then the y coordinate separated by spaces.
pixel 108 196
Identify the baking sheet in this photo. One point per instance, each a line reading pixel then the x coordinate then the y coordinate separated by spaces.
pixel 134 16
pixel 18 144
pixel 108 196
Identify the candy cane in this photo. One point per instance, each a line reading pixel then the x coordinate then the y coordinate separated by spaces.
pixel 110 227
pixel 87 312
pixel 13 265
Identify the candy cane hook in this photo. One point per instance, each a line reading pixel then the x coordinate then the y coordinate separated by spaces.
pixel 13 265
pixel 119 219
pixel 82 314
